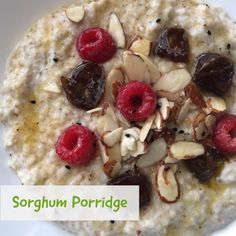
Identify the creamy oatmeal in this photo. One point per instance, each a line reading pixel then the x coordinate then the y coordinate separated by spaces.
pixel 35 110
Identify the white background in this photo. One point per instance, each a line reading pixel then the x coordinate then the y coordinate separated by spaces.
pixel 15 17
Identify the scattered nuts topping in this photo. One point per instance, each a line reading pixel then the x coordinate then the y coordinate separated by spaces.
pixel 170 160
pixel 141 148
pixel 158 121
pixel 182 111
pixel 215 104
pixel 142 46
pixel 114 80
pixel 166 183
pixel 75 14
pixel 184 150
pixel 156 152
pixel 116 30
pixel 173 81
pixel 111 159
pixel 152 69
pixel 201 131
pixel 146 127
pixel 164 108
pixel 135 67
pixel 108 122
pixel 195 95
pixel 210 122
pixel 112 137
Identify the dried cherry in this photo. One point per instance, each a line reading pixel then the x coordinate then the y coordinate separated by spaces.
pixel 134 177
pixel 214 73
pixel 173 44
pixel 84 86
pixel 205 166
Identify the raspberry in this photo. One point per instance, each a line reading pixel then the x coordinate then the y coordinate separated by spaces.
pixel 96 45
pixel 224 136
pixel 76 145
pixel 136 101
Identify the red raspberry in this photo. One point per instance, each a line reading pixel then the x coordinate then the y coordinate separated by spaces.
pixel 96 45
pixel 76 145
pixel 224 136
pixel 136 101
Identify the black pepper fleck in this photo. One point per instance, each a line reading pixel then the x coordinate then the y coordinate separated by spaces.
pixel 128 135
pixel 158 20
pixel 67 167
pixel 209 32
pixel 55 59
pixel 18 130
pixel 181 132
pixel 228 46
pixel 78 123
pixel 203 134
pixel 33 102
pixel 112 222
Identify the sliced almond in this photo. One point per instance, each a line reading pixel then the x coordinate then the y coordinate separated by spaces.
pixel 210 122
pixel 123 122
pixel 146 127
pixel 216 104
pixel 108 122
pixel 156 152
pixel 142 46
pixel 201 131
pixel 182 111
pixel 170 96
pixel 170 160
pixel 173 81
pixel 152 69
pixel 158 121
pixel 75 14
pixel 184 150
pixel 195 95
pixel 52 88
pixel 140 149
pixel 198 118
pixel 114 80
pixel 95 110
pixel 113 137
pixel 114 152
pixel 167 185
pixel 112 168
pixel 174 167
pixel 111 159
pixel 135 67
pixel 116 30
pixel 103 152
pixel 164 108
